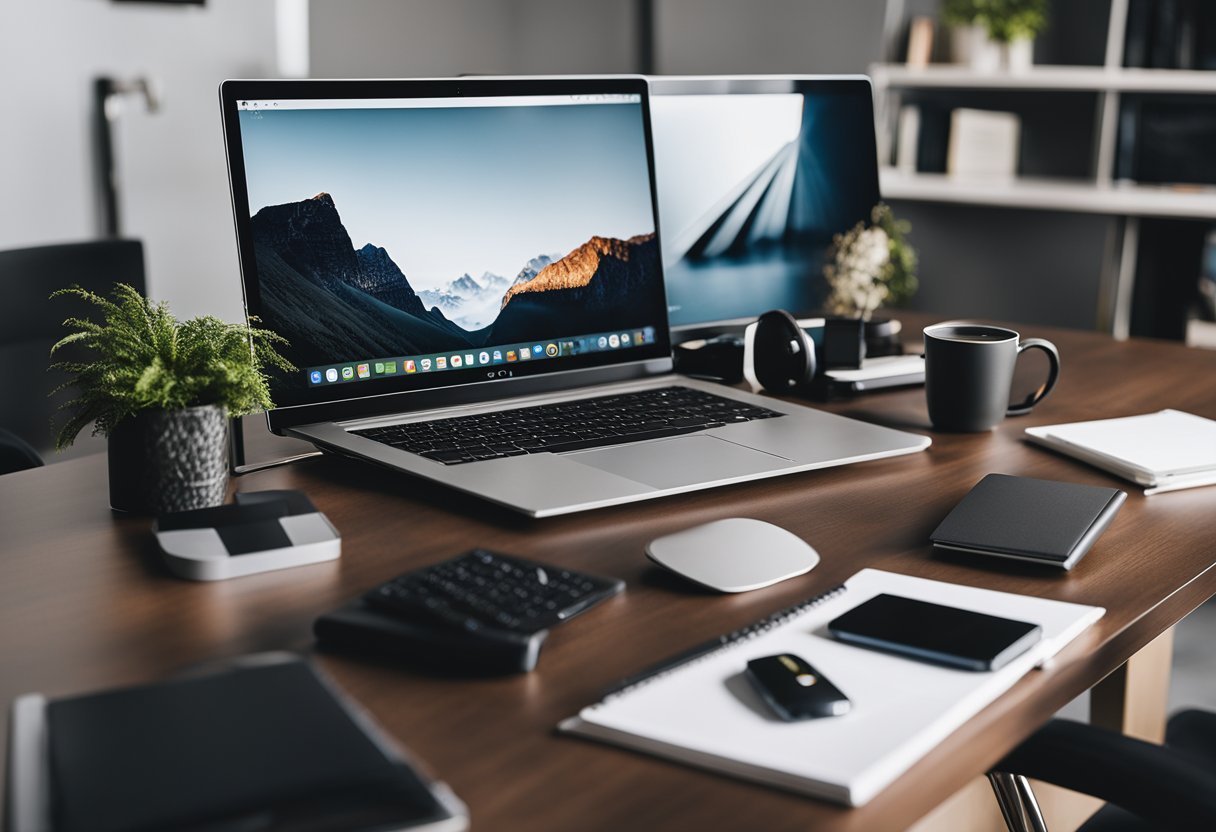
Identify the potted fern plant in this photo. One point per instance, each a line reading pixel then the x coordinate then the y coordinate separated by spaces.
pixel 163 390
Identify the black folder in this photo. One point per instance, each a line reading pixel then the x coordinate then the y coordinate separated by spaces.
pixel 1043 521
pixel 267 745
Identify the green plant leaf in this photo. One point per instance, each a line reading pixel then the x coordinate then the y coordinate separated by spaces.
pixel 1004 20
pixel 145 359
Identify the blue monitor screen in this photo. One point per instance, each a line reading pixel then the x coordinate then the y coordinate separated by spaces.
pixel 754 178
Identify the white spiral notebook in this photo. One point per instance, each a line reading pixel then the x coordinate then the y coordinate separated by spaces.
pixel 703 712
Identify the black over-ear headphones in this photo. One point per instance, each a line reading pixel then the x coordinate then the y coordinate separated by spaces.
pixel 784 354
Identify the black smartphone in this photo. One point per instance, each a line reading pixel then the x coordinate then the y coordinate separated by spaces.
pixel 934 633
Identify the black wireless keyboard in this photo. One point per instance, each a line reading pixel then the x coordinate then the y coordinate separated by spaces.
pixel 567 426
pixel 483 590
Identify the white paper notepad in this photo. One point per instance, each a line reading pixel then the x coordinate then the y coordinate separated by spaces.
pixel 1162 451
pixel 705 713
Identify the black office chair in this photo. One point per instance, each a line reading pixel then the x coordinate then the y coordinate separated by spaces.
pixel 30 323
pixel 1146 786
pixel 16 454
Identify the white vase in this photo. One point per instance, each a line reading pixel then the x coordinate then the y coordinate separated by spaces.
pixel 971 46
pixel 960 45
pixel 1019 54
pixel 986 54
pixel 961 38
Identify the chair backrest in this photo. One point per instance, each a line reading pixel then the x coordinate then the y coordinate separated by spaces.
pixel 30 323
pixel 16 454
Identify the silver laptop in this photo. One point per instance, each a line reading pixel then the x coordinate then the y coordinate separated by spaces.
pixel 468 275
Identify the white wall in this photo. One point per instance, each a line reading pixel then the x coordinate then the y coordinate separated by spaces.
pixel 171 164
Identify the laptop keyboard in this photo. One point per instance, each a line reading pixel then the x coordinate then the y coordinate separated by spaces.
pixel 567 426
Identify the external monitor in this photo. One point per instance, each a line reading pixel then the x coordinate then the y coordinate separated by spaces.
pixel 755 175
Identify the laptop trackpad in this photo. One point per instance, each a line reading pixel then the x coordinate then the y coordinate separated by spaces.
pixel 683 460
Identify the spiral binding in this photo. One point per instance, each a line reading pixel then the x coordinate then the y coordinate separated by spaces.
pixel 723 642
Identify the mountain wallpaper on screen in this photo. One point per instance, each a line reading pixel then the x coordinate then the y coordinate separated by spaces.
pixel 336 303
pixel 475 302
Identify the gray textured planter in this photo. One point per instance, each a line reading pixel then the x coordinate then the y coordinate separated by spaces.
pixel 173 460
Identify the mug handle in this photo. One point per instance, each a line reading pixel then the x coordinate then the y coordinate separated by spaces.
pixel 1052 375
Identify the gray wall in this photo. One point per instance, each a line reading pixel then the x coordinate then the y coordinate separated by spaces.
pixel 386 38
pixel 171 164
pixel 782 36
pixel 395 39
pixel 1038 267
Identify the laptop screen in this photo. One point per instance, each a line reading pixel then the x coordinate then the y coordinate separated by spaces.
pixel 755 176
pixel 409 242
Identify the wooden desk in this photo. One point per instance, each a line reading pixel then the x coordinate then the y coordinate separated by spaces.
pixel 84 604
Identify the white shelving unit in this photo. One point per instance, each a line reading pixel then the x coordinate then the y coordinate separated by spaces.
pixel 1060 78
pixel 1128 202
pixel 1079 195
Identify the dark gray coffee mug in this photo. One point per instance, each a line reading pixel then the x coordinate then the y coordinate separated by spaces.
pixel 968 372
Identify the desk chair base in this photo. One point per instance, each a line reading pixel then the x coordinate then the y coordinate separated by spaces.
pixel 1017 802
pixel 1146 786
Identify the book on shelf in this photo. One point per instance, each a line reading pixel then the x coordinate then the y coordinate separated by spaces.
pixel 1170 34
pixel 932 138
pixel 1125 149
pixel 920 42
pixel 1164 35
pixel 1135 41
pixel 907 139
pixel 983 143
pixel 1166 140
pixel 965 142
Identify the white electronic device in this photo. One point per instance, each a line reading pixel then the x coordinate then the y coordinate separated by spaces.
pixel 734 555
pixel 263 531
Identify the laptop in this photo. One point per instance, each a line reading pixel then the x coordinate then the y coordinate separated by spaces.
pixel 468 275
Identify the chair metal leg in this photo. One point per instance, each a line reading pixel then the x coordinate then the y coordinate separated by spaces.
pixel 1017 802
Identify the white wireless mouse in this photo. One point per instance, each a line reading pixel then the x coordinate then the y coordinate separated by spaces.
pixel 734 555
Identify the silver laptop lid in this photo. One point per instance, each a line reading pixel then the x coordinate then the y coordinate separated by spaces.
pixel 423 243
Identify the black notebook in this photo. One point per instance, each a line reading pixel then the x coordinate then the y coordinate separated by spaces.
pixel 266 745
pixel 1043 521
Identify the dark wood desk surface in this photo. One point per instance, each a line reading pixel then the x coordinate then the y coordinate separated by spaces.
pixel 84 604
